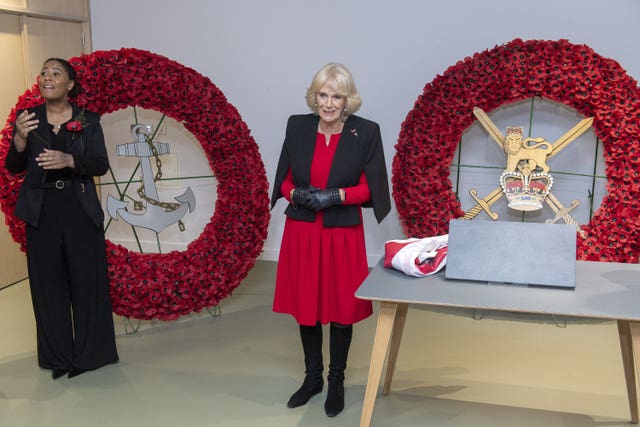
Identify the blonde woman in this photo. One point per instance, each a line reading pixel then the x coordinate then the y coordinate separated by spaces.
pixel 332 163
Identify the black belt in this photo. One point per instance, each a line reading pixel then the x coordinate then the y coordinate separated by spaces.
pixel 58 185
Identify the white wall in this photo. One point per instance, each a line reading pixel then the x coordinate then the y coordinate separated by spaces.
pixel 263 54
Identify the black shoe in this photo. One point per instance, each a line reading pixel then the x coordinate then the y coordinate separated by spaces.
pixel 74 372
pixel 58 372
pixel 335 399
pixel 310 387
pixel 339 344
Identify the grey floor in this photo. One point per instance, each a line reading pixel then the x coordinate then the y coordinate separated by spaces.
pixel 455 368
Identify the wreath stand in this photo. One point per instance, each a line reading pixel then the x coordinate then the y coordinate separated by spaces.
pixel 131 326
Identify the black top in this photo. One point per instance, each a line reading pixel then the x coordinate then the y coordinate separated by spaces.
pixel 58 142
pixel 359 150
pixel 89 157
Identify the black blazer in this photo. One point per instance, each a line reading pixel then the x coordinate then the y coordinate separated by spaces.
pixel 89 156
pixel 359 149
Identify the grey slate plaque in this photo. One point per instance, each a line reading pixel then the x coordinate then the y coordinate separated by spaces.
pixel 512 252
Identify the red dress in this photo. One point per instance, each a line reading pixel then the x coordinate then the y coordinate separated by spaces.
pixel 320 269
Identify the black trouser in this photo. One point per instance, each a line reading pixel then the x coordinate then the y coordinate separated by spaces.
pixel 67 266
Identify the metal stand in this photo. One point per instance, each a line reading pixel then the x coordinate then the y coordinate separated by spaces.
pixel 131 328
pixel 560 321
pixel 214 311
pixel 478 314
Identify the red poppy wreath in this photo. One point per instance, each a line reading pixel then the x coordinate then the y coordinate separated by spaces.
pixel 558 70
pixel 166 286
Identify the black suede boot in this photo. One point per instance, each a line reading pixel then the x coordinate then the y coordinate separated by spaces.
pixel 312 345
pixel 340 341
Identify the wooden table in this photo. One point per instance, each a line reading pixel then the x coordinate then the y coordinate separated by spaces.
pixel 603 291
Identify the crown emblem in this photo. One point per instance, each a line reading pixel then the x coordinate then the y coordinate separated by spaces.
pixel 525 192
pixel 515 130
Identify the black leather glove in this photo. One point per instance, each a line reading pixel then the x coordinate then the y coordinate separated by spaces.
pixel 323 199
pixel 301 195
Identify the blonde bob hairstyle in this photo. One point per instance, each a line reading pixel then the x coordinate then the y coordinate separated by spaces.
pixel 339 78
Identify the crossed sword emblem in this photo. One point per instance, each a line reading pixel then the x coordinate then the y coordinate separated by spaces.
pixel 561 212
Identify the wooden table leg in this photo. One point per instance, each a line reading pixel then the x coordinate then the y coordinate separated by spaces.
pixel 384 329
pixel 396 338
pixel 629 334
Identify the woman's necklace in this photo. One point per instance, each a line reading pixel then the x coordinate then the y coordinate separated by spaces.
pixel 56 128
pixel 65 116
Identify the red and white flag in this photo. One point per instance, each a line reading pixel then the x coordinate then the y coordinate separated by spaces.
pixel 417 257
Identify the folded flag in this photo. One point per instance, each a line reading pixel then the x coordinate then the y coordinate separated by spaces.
pixel 417 257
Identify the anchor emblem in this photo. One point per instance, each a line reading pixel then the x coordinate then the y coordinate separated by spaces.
pixel 158 215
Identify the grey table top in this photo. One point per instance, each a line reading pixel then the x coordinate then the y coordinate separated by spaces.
pixel 603 290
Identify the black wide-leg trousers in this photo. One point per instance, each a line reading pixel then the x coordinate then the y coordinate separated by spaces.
pixel 69 283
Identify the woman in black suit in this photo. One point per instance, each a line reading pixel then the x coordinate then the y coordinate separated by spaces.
pixel 331 164
pixel 60 147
